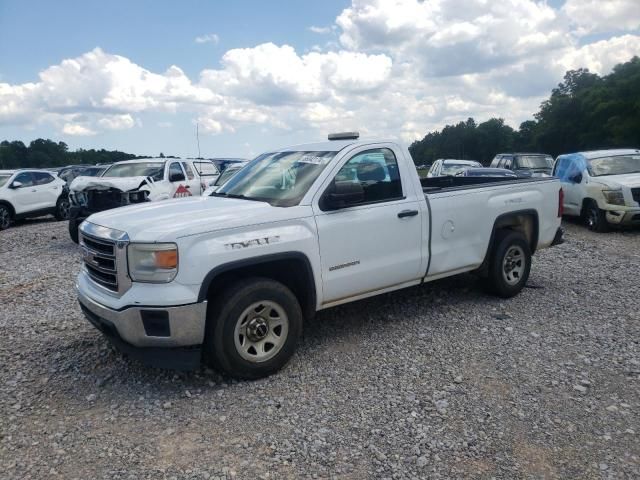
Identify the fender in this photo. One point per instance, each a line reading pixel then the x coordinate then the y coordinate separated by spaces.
pixel 535 234
pixel 261 260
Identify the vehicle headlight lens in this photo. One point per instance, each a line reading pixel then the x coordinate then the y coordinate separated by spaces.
pixel 153 262
pixel 613 197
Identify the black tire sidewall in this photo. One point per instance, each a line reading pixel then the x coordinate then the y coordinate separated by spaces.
pixel 58 214
pixel 219 341
pixel 73 230
pixel 5 208
pixel 505 240
pixel 601 224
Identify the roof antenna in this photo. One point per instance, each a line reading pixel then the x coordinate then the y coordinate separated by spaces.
pixel 198 139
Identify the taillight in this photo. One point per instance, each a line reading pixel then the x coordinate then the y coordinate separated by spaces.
pixel 560 203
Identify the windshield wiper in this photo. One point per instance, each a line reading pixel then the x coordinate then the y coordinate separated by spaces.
pixel 242 197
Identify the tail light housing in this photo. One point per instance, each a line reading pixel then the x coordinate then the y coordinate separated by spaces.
pixel 560 203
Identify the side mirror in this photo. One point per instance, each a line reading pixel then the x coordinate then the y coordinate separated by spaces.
pixel 577 178
pixel 176 177
pixel 15 185
pixel 343 194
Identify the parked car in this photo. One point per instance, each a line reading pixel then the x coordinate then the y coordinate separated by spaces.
pixel 602 187
pixel 524 164
pixel 224 177
pixel 137 181
pixel 233 275
pixel 487 172
pixel 31 193
pixel 70 172
pixel 443 167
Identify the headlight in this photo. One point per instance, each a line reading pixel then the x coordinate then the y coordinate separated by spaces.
pixel 153 262
pixel 613 197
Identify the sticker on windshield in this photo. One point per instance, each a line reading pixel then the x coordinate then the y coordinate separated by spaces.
pixel 313 159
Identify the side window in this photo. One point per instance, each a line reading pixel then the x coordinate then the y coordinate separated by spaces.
pixel 25 179
pixel 377 172
pixel 41 178
pixel 187 168
pixel 206 169
pixel 175 169
pixel 507 162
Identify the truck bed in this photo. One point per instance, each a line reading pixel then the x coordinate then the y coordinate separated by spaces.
pixel 438 184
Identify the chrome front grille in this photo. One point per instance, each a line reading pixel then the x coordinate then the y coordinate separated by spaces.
pixel 104 256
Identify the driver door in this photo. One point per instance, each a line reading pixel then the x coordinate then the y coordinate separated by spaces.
pixel 180 188
pixel 375 243
pixel 568 171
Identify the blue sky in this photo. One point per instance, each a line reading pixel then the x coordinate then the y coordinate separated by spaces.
pixel 138 75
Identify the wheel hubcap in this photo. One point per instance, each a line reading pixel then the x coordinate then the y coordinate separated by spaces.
pixel 513 265
pixel 64 210
pixel 261 331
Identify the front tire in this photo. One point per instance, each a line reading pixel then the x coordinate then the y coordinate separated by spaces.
pixel 62 209
pixel 73 230
pixel 595 218
pixel 6 217
pixel 253 328
pixel 510 264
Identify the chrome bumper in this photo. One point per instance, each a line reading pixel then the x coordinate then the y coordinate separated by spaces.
pixel 165 327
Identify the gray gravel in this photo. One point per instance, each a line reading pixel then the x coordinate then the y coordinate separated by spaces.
pixel 440 381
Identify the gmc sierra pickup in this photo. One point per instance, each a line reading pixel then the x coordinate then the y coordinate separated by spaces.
pixel 230 278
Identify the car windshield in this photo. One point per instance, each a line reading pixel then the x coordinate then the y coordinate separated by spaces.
pixel 534 161
pixel 226 175
pixel 4 179
pixel 453 168
pixel 151 169
pixel 279 178
pixel 92 171
pixel 618 165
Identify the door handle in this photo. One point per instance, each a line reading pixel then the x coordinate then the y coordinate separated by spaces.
pixel 408 213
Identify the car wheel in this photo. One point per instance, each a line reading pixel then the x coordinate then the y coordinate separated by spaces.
pixel 595 218
pixel 5 217
pixel 62 209
pixel 73 230
pixel 510 264
pixel 252 328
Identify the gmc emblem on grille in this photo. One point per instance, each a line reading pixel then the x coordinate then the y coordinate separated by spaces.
pixel 88 257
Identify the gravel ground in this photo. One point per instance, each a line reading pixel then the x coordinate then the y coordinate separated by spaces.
pixel 440 381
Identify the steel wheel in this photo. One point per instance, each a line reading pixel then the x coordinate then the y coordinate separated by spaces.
pixel 592 218
pixel 261 331
pixel 513 265
pixel 5 217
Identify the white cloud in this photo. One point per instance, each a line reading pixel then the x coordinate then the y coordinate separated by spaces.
pixel 208 38
pixel 594 16
pixel 75 129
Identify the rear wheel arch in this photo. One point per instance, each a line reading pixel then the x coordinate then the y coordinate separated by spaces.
pixel 292 269
pixel 9 206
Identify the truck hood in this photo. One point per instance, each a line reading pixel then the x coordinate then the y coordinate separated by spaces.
pixel 616 181
pixel 171 219
pixel 124 184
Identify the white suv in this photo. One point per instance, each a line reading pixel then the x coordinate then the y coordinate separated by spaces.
pixel 31 193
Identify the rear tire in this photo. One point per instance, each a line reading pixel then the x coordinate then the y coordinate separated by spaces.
pixel 6 217
pixel 595 218
pixel 252 328
pixel 510 264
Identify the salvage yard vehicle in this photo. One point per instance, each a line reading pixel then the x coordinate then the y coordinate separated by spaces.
pixel 524 164
pixel 137 181
pixel 450 166
pixel 229 278
pixel 602 187
pixel 31 193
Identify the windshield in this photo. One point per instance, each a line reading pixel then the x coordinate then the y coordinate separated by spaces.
pixel 280 178
pixel 534 162
pixel 4 179
pixel 92 171
pixel 618 165
pixel 226 175
pixel 151 169
pixel 453 168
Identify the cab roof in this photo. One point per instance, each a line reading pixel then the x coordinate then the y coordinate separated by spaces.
pixel 332 145
pixel 607 153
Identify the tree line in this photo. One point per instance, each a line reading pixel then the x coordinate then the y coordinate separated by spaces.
pixel 43 153
pixel 584 112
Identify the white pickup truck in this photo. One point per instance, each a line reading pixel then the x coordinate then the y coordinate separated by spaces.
pixel 229 278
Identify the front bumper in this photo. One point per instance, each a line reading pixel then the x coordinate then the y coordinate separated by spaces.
pixel 166 337
pixel 623 216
